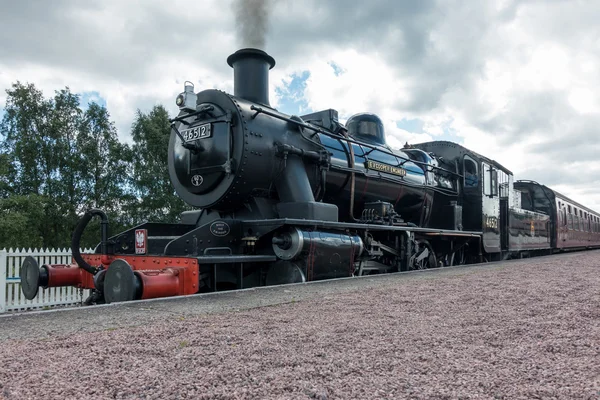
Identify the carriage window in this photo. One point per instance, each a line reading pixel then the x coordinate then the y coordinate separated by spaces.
pixel 586 224
pixel 570 220
pixel 470 172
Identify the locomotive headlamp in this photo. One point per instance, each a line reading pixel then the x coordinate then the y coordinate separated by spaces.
pixel 187 99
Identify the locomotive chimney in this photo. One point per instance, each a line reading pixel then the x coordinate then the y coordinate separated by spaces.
pixel 251 74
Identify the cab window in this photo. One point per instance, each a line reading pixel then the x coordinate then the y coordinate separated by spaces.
pixel 471 173
pixel 490 180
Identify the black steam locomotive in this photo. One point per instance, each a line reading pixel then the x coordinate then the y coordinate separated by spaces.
pixel 286 199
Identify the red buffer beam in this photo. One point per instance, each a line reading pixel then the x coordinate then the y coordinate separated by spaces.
pixel 126 278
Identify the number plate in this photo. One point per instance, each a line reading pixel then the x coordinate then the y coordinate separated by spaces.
pixel 197 132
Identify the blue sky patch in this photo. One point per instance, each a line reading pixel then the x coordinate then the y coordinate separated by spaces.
pixel 411 125
pixel 416 126
pixel 291 97
pixel 450 133
pixel 91 97
pixel 337 70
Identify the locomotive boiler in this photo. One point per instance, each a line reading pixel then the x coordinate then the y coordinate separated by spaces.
pixel 236 155
pixel 278 199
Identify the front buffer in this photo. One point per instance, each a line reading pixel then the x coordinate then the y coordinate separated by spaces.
pixel 113 278
pixel 124 279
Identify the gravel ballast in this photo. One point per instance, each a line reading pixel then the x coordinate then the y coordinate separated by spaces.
pixel 517 330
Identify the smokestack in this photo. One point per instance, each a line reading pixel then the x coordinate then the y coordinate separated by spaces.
pixel 251 74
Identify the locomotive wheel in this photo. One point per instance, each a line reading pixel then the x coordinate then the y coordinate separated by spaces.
pixel 458 257
pixel 454 258
pixel 284 272
pixel 424 258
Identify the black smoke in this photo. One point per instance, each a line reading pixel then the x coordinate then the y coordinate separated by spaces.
pixel 251 22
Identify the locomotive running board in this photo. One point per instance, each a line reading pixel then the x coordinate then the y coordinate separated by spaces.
pixel 226 259
pixel 274 223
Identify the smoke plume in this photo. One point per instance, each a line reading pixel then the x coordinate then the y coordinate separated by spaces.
pixel 252 19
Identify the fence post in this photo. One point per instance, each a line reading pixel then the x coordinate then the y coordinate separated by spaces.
pixel 3 273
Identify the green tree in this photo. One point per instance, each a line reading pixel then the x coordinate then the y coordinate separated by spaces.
pixel 31 154
pixel 26 136
pixel 104 165
pixel 19 221
pixel 156 198
pixel 6 172
pixel 65 127
pixel 56 161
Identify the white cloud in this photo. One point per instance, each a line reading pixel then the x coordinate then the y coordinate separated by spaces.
pixel 365 84
pixel 515 81
pixel 583 100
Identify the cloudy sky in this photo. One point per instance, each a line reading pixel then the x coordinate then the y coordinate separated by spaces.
pixel 517 81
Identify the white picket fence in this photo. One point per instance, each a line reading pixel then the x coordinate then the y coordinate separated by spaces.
pixel 11 296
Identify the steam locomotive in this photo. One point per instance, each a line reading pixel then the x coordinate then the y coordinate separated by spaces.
pixel 286 199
